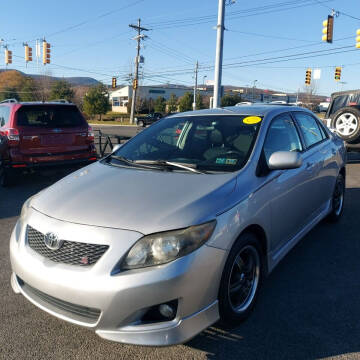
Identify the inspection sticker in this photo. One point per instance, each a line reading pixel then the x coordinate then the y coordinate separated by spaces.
pixel 224 161
pixel 250 120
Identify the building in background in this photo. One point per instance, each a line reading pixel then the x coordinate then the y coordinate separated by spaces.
pixel 119 98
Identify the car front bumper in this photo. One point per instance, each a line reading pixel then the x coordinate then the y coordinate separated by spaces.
pixel 117 302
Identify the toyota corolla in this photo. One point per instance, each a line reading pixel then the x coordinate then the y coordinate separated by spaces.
pixel 176 230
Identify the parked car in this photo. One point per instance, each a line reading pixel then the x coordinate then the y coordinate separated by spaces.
pixel 244 103
pixel 43 134
pixel 148 120
pixel 343 117
pixel 201 217
pixel 3 147
pixel 323 107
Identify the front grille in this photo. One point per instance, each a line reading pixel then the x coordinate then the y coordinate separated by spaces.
pixel 71 252
pixel 73 311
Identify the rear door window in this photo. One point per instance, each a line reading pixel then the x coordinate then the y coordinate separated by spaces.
pixel 49 116
pixel 4 115
pixel 310 129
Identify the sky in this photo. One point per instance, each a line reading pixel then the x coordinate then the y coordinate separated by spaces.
pixel 93 38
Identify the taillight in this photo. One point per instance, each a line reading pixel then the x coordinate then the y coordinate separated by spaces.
pixel 90 134
pixel 13 136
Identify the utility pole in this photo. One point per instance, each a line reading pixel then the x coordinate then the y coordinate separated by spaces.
pixel 195 86
pixel 135 84
pixel 253 91
pixel 219 53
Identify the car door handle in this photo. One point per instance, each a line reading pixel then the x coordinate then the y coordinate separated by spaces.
pixel 310 166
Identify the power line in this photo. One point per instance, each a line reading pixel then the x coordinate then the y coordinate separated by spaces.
pixel 270 36
pixel 278 7
pixel 94 44
pixel 111 12
pixel 338 11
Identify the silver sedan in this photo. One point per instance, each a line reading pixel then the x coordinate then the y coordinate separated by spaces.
pixel 177 228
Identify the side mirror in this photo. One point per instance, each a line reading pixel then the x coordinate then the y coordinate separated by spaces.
pixel 116 147
pixel 283 160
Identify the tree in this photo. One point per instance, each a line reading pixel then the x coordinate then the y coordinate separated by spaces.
pixel 9 93
pixel 96 101
pixel 44 85
pixel 310 92
pixel 185 102
pixel 29 90
pixel 230 100
pixel 79 93
pixel 160 104
pixel 61 89
pixel 143 106
pixel 14 85
pixel 172 103
pixel 199 102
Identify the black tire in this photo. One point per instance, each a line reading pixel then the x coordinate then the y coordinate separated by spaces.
pixel 140 123
pixel 230 292
pixel 354 125
pixel 337 203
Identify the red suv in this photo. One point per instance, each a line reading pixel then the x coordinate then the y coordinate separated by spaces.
pixel 36 134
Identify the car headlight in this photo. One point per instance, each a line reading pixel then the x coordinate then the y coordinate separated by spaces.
pixel 161 248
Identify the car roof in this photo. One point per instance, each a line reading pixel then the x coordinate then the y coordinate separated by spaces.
pixel 256 110
pixel 347 92
pixel 12 103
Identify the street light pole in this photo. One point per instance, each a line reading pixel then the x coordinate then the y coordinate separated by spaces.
pixel 253 91
pixel 204 77
pixel 219 53
pixel 195 85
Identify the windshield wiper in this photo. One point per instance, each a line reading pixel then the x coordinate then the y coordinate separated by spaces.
pixel 121 158
pixel 185 166
pixel 130 162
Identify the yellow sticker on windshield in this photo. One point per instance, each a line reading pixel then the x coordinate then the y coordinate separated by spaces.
pixel 250 120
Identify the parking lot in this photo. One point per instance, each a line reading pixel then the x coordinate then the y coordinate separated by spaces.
pixel 308 308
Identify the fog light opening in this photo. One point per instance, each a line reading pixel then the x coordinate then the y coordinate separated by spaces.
pixel 161 312
pixel 166 311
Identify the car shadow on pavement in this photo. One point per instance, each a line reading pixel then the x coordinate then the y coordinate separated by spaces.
pixel 24 186
pixel 309 306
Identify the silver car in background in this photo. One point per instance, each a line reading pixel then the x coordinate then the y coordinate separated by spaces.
pixel 177 228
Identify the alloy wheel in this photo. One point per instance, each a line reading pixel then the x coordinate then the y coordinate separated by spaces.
pixel 346 124
pixel 244 278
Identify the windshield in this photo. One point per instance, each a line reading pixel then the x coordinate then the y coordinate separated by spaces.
pixel 213 143
pixel 51 116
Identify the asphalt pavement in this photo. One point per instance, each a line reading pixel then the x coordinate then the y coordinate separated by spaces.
pixel 308 308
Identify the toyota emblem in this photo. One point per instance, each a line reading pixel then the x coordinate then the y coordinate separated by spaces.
pixel 52 241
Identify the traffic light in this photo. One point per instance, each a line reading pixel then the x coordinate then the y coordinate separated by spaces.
pixel 328 28
pixel 358 39
pixel 46 53
pixel 28 53
pixel 308 77
pixel 8 57
pixel 135 84
pixel 337 73
pixel 113 83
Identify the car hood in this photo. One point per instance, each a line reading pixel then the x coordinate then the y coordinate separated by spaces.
pixel 135 199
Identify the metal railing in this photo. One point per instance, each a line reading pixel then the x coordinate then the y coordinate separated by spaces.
pixel 105 142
